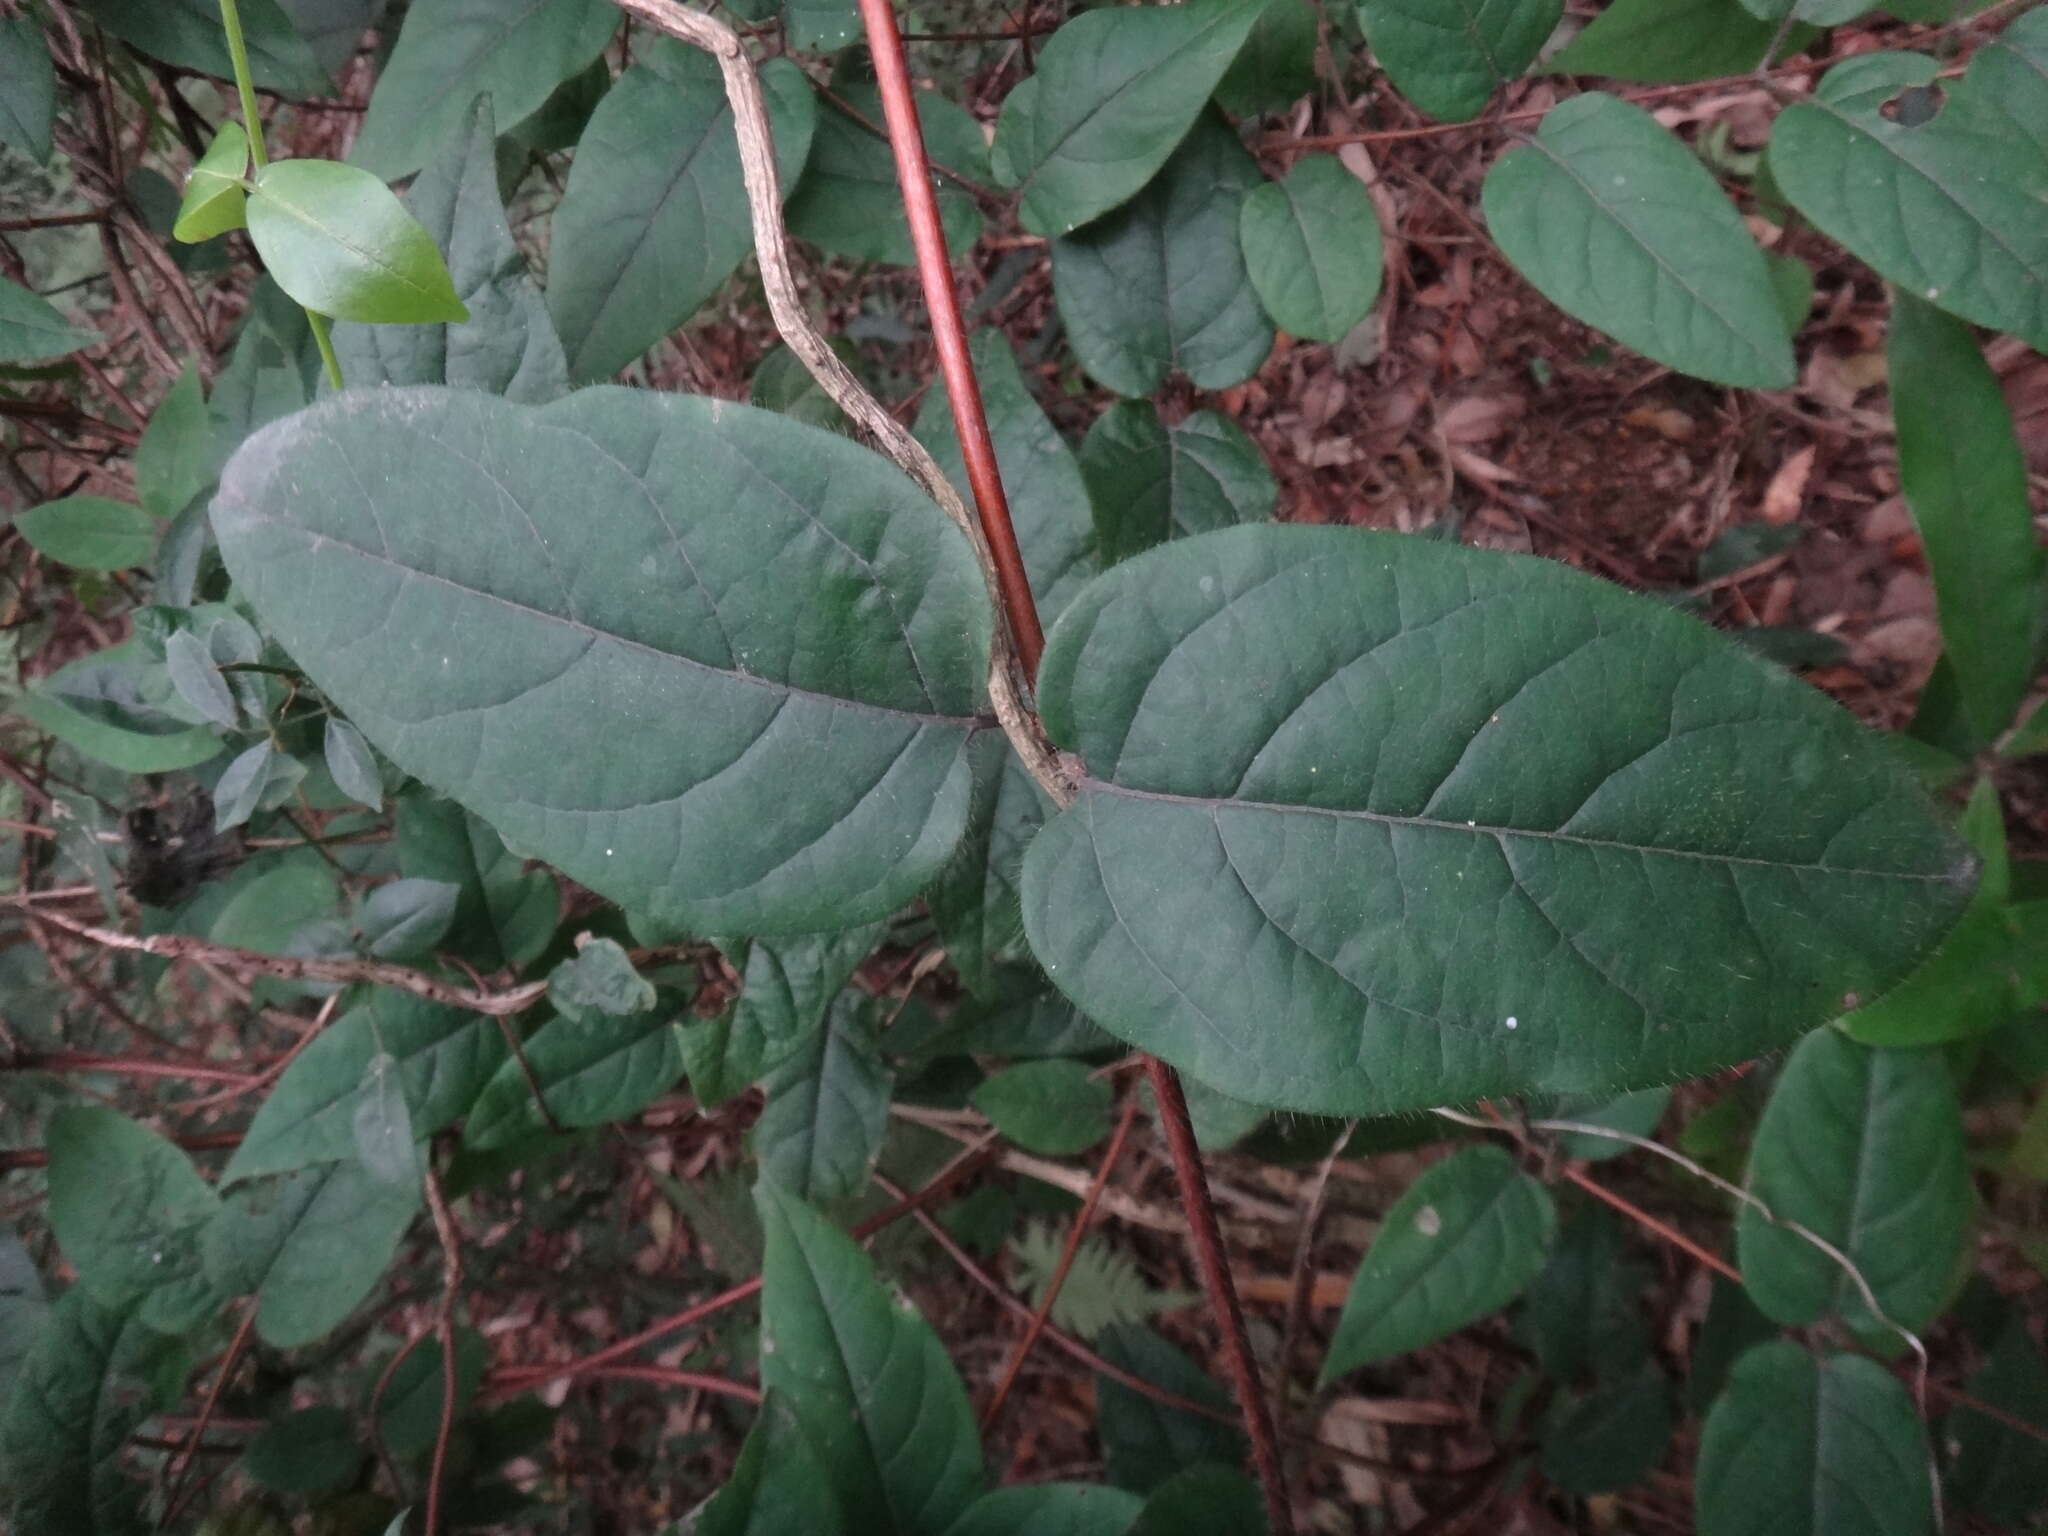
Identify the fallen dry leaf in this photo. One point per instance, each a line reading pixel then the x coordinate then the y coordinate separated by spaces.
pixel 1787 490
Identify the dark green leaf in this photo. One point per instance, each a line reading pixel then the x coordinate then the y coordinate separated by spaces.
pixel 246 782
pixel 406 919
pixel 847 202
pixel 1054 1107
pixel 384 1138
pixel 1617 224
pixel 786 732
pixel 505 914
pixel 599 979
pixel 591 1072
pixel 108 706
pixel 1463 1241
pixel 1659 42
pixel 1805 1446
pixel 128 1208
pixel 1150 482
pixel 1448 56
pixel 1582 1316
pixel 507 346
pixel 779 1487
pixel 827 1108
pixel 188 33
pixel 91 533
pixel 2005 90
pixel 818 26
pixel 1203 1501
pixel 1865 1149
pixel 28 87
pixel 310 1451
pixel 2000 1472
pixel 1289 856
pixel 1160 284
pixel 351 764
pixel 1966 484
pixel 1312 249
pixel 1633 1114
pixel 31 329
pixel 1277 63
pixel 974 905
pixel 332 28
pixel 1826 13
pixel 655 215
pixel 417 1393
pixel 215 199
pixel 786 985
pixel 190 664
pixel 174 460
pixel 1050 1509
pixel 452 51
pixel 341 243
pixel 870 1383
pixel 1114 92
pixel 24 1308
pixel 443 1057
pixel 1144 1441
pixel 783 383
pixel 310 1246
pixel 1610 1437
pixel 1048 500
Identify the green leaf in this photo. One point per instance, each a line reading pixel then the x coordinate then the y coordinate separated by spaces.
pixel 1634 1114
pixel 1966 484
pixel 590 1072
pixel 405 919
pixel 1150 482
pixel 1160 284
pixel 786 986
pixel 599 979
pixel 351 764
pixel 1102 1290
pixel 28 88
pixel 820 26
pixel 505 914
pixel 1054 1107
pixel 384 1137
pixel 332 28
pixel 828 1105
pixel 655 215
pixel 24 1308
pixel 127 1208
pixel 416 1395
pixel 508 345
pixel 1864 1148
pixel 786 731
pixel 174 460
pixel 309 1451
pixel 2000 1472
pixel 1826 13
pixel 1114 92
pixel 189 662
pixel 1609 1437
pixel 1289 856
pixel 1448 56
pixel 975 905
pixel 452 51
pixel 1144 1441
pixel 1048 499
pixel 341 243
pixel 1277 64
pixel 870 1383
pixel 1659 42
pixel 32 330
pixel 91 533
pixel 1050 1509
pixel 847 202
pixel 782 383
pixel 1462 1241
pixel 310 1246
pixel 1806 1446
pixel 188 33
pixel 92 1378
pixel 443 1056
pixel 1617 224
pixel 1582 1316
pixel 1203 1501
pixel 250 782
pixel 779 1487
pixel 216 199
pixel 1952 214
pixel 1312 249
pixel 2005 90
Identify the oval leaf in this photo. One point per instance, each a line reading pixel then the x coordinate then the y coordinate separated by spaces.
pixel 1054 1107
pixel 32 330
pixel 828 1105
pixel 1336 852
pixel 1150 482
pixel 1447 56
pixel 1617 224
pixel 590 1072
pixel 778 642
pixel 341 243
pixel 847 202
pixel 1312 248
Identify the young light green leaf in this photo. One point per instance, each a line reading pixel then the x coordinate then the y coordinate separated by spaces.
pixel 1952 214
pixel 599 979
pixel 1448 56
pixel 505 914
pixel 1312 249
pixel 351 764
pixel 174 460
pixel 868 1379
pixel 1865 1149
pixel 590 1072
pixel 1659 42
pixel 1115 90
pixel 1050 1509
pixel 310 1246
pixel 1053 1107
pixel 443 1057
pixel 340 242
pixel 188 33
pixel 847 202
pixel 31 329
pixel 127 1208
pixel 1150 482
pixel 1966 485
pixel 405 919
pixel 786 740
pixel 655 215
pixel 1160 284
pixel 189 662
pixel 91 533
pixel 508 345
pixel 1807 1445
pixel 1253 748
pixel 1463 1241
pixel 308 1451
pixel 384 1142
pixel 216 199
pixel 1144 1441
pixel 28 87
pixel 1277 64
pixel 1617 224
pixel 452 51
pixel 1048 501
pixel 1103 1289
pixel 828 1105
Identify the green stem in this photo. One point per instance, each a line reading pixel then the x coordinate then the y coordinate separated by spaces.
pixel 238 54
pixel 320 324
